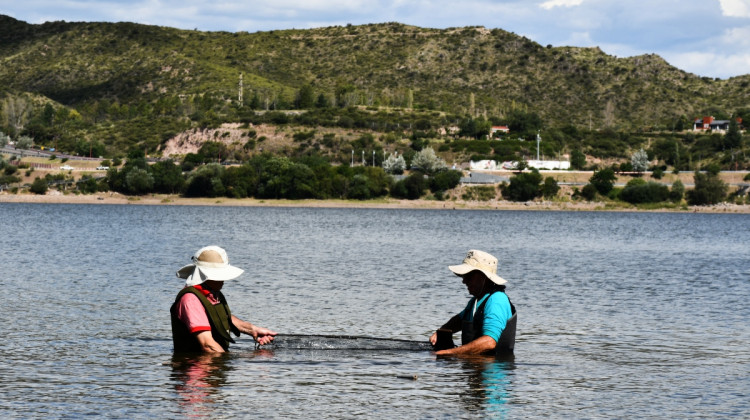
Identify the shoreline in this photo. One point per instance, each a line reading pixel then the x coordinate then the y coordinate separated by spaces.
pixel 55 197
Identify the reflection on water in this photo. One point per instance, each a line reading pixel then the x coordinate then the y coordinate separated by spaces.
pixel 488 384
pixel 197 380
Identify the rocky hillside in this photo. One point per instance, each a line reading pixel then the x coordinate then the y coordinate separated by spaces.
pixel 459 70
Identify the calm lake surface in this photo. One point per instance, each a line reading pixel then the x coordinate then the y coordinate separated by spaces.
pixel 638 315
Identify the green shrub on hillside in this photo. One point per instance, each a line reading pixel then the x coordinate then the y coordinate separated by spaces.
pixel 603 180
pixel 550 188
pixel 644 192
pixel 39 186
pixel 588 192
pixel 523 187
pixel 479 193
pixel 411 187
pixel 444 181
pixel 709 189
pixel 677 192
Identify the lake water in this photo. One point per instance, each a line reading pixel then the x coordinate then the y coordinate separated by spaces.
pixel 639 315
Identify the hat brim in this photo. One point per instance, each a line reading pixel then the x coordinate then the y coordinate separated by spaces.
pixel 464 269
pixel 229 272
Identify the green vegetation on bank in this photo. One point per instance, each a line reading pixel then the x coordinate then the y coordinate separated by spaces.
pixel 273 177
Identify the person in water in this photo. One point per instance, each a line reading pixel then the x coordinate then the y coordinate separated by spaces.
pixel 201 320
pixel 488 323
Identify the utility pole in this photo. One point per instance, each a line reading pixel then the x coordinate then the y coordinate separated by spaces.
pixel 240 94
pixel 538 139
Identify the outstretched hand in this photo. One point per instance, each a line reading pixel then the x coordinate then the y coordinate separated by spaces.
pixel 262 335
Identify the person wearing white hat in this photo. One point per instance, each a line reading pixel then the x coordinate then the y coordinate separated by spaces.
pixel 201 319
pixel 488 323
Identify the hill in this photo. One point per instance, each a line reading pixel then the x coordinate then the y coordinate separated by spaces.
pixel 130 85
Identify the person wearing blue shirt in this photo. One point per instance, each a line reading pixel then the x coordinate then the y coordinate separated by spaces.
pixel 488 323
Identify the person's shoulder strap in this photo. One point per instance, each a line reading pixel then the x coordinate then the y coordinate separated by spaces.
pixel 233 328
pixel 186 290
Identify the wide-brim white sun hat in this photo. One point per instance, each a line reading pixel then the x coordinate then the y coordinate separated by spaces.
pixel 480 261
pixel 209 263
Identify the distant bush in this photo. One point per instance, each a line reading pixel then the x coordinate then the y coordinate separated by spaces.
pixel 39 186
pixel 550 187
pixel 213 150
pixel 138 181
pixel 303 135
pixel 712 169
pixel 588 192
pixel 646 192
pixel 206 182
pixel 88 185
pixel 411 187
pixel 277 117
pixel 480 193
pixel 603 180
pixel 24 142
pixel 577 160
pixel 445 181
pixel 523 187
pixel 10 169
pixel 677 192
pixel 709 189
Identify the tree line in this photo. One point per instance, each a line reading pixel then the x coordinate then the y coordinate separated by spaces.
pixel 266 176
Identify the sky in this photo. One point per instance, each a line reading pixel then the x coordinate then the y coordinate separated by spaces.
pixel 706 37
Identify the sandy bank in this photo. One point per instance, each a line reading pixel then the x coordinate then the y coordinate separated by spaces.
pixel 55 197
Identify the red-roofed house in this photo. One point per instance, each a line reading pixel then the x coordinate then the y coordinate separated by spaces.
pixel 709 123
pixel 499 129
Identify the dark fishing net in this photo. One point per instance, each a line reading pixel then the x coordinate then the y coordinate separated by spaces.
pixel 344 342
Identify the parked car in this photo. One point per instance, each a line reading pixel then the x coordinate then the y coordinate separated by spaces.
pixel 66 168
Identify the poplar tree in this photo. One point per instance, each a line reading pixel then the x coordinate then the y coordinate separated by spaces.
pixel 733 138
pixel 639 160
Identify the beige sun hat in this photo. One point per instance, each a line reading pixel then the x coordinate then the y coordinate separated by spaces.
pixel 209 263
pixel 481 261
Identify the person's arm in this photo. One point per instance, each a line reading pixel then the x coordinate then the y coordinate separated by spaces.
pixel 481 345
pixel 190 312
pixel 260 334
pixel 453 324
pixel 207 342
pixel 497 309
